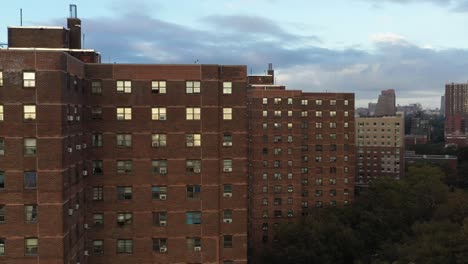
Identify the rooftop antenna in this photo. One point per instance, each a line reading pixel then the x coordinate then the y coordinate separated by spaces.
pixel 83 40
pixel 73 11
pixel 21 16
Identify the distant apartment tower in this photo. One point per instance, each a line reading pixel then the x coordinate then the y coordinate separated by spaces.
pixel 456 113
pixel 386 103
pixel 442 105
pixel 301 155
pixel 379 148
pixel 112 163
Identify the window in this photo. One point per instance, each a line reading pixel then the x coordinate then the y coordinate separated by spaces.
pixel 158 113
pixel 29 112
pixel 30 213
pixel 277 113
pixel 346 102
pixel 96 87
pixel 124 219
pixel 265 100
pixel 192 87
pixel 227 216
pixel 124 246
pixel 124 86
pixel 98 193
pixel 1 82
pixel 227 241
pixel 159 166
pixel 29 79
pixel 227 190
pixel 160 218
pixel 193 166
pixel 332 102
pixel 96 113
pixel 2 180
pixel 304 102
pixel 160 245
pixel 227 113
pixel 290 101
pixel 98 219
pixel 264 113
pixel 227 139
pixel 193 191
pixel 158 87
pixel 98 247
pixel 31 245
pixel 2 146
pixel 346 113
pixel 193 140
pixel 96 140
pixel 227 165
pixel 318 113
pixel 124 113
pixel 304 113
pixel 193 218
pixel 277 100
pixel 332 113
pixel 227 87
pixel 2 213
pixel 158 140
pixel 1 113
pixel 30 180
pixel 97 167
pixel 194 243
pixel 332 125
pixel 124 166
pixel 2 240
pixel 124 140
pixel 159 192
pixel 30 146
pixel 192 113
pixel 318 102
pixel 124 192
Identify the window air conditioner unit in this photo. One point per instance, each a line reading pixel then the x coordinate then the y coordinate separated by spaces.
pixel 86 253
pixel 84 145
pixel 162 117
pixel 163 249
pixel 227 144
pixel 227 169
pixel 78 118
pixel 162 197
pixel 197 249
pixel 85 172
pixel 162 223
pixel 163 170
pixel 77 206
pixel 227 220
pixel 78 147
pixel 196 170
pixel 228 195
pixel 86 226
pixel 70 211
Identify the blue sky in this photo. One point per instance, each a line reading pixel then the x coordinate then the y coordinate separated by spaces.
pixel 361 46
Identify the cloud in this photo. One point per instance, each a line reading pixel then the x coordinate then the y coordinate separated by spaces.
pixel 452 5
pixel 388 38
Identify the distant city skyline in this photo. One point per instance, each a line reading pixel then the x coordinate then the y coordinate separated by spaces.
pixel 360 46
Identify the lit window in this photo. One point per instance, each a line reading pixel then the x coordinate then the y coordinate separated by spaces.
pixel 277 100
pixel 304 113
pixel 124 219
pixel 1 113
pixel 30 147
pixel 304 102
pixel 193 191
pixel 159 193
pixel 193 218
pixel 159 166
pixel 318 102
pixel 332 102
pixel 98 193
pixel 290 101
pixel 124 192
pixel 124 113
pixel 346 113
pixel 29 79
pixel 227 241
pixel 318 113
pixel 98 247
pixel 96 87
pixel 290 113
pixel 332 125
pixel 30 213
pixel 124 86
pixel 265 100
pixel 98 219
pixel 124 246
pixel 159 218
pixel 227 113
pixel 158 140
pixel 192 113
pixel 193 140
pixel 227 165
pixel 346 102
pixel 318 125
pixel 264 113
pixel 332 113
pixel 29 112
pixel 158 113
pixel 30 180
pixel 160 245
pixel 96 140
pixel 31 245
pixel 158 87
pixel 346 124
pixel 124 166
pixel 192 87
pixel 227 87
pixel 124 140
pixel 1 84
pixel 277 113
pixel 2 244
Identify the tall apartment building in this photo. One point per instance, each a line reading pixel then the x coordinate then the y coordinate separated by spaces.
pixel 456 113
pixel 301 155
pixel 386 103
pixel 118 163
pixel 380 147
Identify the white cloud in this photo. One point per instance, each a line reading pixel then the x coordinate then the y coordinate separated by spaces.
pixel 388 38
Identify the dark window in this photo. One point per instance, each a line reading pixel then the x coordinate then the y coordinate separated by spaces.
pixel 30 180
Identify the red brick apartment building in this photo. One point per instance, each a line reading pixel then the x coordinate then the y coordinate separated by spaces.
pixel 301 154
pixel 456 114
pixel 131 163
